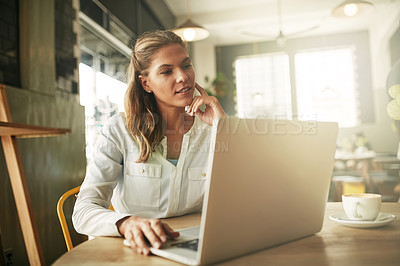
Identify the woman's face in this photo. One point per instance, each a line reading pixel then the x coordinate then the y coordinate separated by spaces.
pixel 170 77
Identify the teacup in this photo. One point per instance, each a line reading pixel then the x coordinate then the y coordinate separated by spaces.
pixel 362 206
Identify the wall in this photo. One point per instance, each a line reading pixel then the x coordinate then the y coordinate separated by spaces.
pixel 204 66
pixel 67 50
pixel 395 47
pixel 9 53
pixel 54 164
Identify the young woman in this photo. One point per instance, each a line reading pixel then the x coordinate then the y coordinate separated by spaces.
pixel 151 161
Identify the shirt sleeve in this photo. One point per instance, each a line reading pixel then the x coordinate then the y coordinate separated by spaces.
pixel 91 215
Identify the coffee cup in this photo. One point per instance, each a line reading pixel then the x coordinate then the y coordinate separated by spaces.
pixel 361 206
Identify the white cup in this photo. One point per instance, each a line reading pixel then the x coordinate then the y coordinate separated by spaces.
pixel 362 206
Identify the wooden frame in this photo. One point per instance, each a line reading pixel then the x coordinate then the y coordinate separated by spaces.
pixel 9 132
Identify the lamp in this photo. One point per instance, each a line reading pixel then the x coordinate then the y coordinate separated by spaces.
pixel 190 31
pixel 351 8
pixel 281 39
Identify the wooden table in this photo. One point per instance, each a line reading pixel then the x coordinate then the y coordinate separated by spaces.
pixel 334 245
pixel 366 161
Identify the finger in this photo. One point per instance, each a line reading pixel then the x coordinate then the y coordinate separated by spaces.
pixel 170 232
pixel 151 236
pixel 132 244
pixel 141 245
pixel 191 106
pixel 201 90
pixel 199 102
pixel 159 230
pixel 130 239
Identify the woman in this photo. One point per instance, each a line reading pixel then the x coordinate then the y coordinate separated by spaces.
pixel 151 161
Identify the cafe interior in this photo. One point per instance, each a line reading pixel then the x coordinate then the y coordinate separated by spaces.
pixel 63 67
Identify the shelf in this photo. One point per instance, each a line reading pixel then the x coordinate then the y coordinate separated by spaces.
pixel 28 131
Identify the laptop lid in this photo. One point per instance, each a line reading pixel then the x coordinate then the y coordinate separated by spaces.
pixel 269 184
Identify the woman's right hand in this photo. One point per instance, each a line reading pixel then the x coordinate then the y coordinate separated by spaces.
pixel 141 231
pixel 212 111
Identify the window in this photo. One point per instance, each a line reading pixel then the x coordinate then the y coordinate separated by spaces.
pixel 263 85
pixel 102 74
pixel 326 87
pixel 102 96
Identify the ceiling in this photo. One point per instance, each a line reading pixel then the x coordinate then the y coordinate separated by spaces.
pixel 244 21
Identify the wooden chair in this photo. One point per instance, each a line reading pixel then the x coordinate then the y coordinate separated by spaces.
pixel 61 216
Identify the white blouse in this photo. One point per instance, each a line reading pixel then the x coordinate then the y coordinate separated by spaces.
pixel 155 189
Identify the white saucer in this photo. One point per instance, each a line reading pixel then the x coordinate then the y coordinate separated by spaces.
pixel 381 220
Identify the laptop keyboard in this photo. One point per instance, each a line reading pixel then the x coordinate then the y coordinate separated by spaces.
pixel 191 244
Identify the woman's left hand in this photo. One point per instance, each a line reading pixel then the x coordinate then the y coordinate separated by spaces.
pixel 212 111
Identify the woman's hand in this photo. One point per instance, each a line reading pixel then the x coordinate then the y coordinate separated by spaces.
pixel 213 108
pixel 141 231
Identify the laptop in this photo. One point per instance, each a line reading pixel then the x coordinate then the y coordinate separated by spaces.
pixel 269 183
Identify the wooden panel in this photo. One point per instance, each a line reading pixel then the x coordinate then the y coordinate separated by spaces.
pixel 18 184
pixel 2 259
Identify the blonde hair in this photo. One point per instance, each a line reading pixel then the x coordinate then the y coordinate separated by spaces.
pixel 142 117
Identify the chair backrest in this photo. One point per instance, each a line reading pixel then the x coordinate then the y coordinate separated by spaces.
pixel 61 216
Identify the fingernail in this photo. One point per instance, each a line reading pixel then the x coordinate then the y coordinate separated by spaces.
pixel 157 244
pixel 163 239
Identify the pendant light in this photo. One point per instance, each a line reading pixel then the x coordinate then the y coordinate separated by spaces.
pixel 190 31
pixel 352 8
